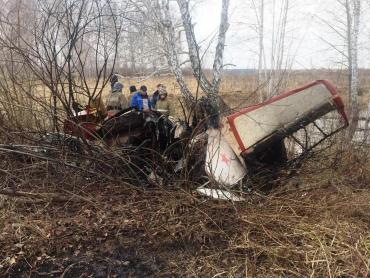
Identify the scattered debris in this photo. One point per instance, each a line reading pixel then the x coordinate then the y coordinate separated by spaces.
pixel 219 194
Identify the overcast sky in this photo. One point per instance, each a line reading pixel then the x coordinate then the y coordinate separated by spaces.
pixel 307 37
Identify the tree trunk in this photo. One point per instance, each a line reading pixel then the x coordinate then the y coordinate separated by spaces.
pixel 168 35
pixel 353 10
pixel 193 47
pixel 219 56
pixel 261 71
pixel 211 89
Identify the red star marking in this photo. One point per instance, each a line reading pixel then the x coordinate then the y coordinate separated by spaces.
pixel 225 159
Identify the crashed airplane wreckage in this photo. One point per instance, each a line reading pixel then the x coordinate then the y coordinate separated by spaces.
pixel 267 134
pixel 259 135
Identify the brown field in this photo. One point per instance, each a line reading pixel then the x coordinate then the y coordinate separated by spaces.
pixel 236 90
pixel 240 90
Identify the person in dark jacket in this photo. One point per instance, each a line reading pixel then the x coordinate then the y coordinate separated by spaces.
pixel 140 101
pixel 113 80
pixel 132 91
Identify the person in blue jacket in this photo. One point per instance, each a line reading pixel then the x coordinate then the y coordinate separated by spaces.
pixel 140 101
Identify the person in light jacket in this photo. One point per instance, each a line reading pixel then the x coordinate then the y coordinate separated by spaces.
pixel 164 106
pixel 155 96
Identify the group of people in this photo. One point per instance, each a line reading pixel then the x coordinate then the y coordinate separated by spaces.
pixel 137 99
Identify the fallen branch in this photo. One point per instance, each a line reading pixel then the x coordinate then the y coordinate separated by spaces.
pixel 50 197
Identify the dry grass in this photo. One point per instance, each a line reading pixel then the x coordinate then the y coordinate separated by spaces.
pixel 316 225
pixel 240 90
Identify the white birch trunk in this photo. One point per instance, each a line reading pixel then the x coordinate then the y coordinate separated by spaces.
pixel 210 88
pixel 193 46
pixel 194 55
pixel 261 77
pixel 219 56
pixel 169 37
pixel 353 10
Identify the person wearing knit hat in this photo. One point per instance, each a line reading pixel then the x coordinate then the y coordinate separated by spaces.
pixel 113 79
pixel 116 101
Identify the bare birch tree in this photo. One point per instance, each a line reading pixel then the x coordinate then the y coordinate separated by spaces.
pixel 162 17
pixel 347 29
pixel 261 78
pixel 273 64
pixel 169 30
pixel 353 12
pixel 278 47
pixel 193 47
